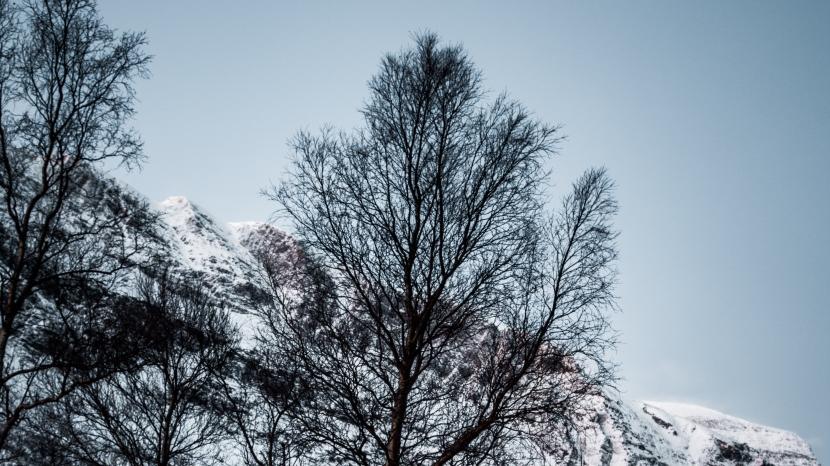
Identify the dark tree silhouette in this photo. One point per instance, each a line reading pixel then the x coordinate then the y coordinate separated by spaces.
pixel 447 321
pixel 269 387
pixel 262 400
pixel 66 95
pixel 167 410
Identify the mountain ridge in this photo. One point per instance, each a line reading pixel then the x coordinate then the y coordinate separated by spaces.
pixel 610 430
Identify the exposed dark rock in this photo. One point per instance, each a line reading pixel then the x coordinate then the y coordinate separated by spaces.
pixel 740 453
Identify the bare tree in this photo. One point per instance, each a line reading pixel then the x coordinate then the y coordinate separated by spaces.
pixel 269 386
pixel 66 95
pixel 451 323
pixel 262 401
pixel 170 408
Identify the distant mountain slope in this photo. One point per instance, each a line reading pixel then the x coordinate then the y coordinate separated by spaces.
pixel 615 433
pixel 608 432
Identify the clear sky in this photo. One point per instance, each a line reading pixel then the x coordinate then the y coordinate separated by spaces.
pixel 713 117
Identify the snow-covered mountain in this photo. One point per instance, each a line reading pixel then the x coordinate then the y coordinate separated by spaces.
pixel 610 431
pixel 614 432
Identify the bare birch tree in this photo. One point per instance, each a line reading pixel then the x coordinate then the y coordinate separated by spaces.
pixel 454 320
pixel 66 96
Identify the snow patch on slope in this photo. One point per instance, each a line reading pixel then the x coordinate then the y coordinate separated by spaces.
pixel 204 245
pixel 213 253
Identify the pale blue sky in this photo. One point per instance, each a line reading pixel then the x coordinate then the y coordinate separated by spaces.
pixel 713 117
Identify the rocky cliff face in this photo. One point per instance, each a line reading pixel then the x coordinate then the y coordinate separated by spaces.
pixel 608 432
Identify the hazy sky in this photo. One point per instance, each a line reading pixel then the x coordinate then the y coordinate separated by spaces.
pixel 713 117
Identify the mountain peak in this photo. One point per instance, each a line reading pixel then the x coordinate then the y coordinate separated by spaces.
pixel 175 202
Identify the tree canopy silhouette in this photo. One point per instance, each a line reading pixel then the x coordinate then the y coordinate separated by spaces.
pixel 454 319
pixel 66 98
